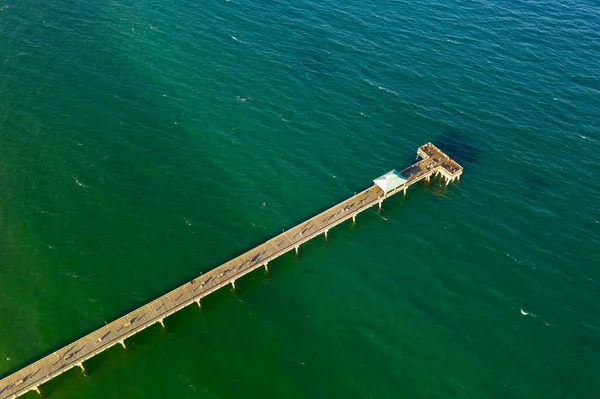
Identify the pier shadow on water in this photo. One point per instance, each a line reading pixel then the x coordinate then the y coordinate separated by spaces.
pixel 458 146
pixel 453 143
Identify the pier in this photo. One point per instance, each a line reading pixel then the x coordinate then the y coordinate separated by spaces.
pixel 432 163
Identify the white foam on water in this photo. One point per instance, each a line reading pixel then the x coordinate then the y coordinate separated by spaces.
pixel 387 90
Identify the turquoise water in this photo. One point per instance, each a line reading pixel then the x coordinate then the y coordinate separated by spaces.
pixel 144 142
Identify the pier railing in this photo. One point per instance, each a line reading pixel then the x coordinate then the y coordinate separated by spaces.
pixel 433 163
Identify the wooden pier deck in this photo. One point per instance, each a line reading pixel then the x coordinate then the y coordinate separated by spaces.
pixel 30 378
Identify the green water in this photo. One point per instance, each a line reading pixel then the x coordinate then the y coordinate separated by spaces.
pixel 144 142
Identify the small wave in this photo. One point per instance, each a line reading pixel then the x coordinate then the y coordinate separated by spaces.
pixel 387 90
pixel 524 313
pixel 379 87
pixel 80 184
pixel 513 258
pixel 237 40
pixel 369 82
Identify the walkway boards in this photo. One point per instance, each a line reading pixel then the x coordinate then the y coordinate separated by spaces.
pixel 434 162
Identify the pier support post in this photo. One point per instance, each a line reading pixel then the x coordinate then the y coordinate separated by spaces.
pixel 379 205
pixel 354 218
pixel 326 238
pixel 123 344
pixel 233 284
pixel 198 302
pixel 162 323
pixel 80 365
pixel 297 250
pixel 37 389
pixel 405 191
pixel 266 265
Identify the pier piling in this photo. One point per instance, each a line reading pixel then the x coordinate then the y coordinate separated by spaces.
pixel 433 163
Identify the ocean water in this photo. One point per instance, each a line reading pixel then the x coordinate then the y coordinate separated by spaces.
pixel 143 142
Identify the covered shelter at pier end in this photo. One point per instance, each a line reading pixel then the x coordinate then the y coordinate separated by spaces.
pixel 390 181
pixel 31 377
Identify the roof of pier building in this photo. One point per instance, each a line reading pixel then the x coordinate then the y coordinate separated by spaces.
pixel 390 181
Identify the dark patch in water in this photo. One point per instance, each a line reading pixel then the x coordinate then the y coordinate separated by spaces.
pixel 536 183
pixel 457 146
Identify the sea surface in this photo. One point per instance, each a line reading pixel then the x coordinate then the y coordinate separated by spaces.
pixel 144 142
